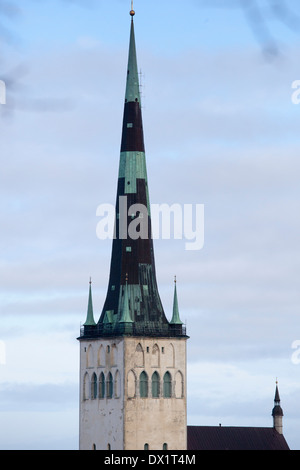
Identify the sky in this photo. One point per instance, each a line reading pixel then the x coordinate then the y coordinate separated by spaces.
pixel 222 128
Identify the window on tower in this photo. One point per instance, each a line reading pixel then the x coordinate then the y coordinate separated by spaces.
pixel 102 385
pixel 109 386
pixel 94 386
pixel 167 385
pixel 143 385
pixel 155 385
pixel 86 381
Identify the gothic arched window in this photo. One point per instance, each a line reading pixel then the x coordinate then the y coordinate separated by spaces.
pixel 155 385
pixel 143 385
pixel 167 385
pixel 86 381
pixel 117 384
pixel 179 385
pixel 109 386
pixel 94 387
pixel 101 385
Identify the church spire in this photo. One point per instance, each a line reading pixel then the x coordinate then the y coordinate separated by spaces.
pixel 277 412
pixel 132 287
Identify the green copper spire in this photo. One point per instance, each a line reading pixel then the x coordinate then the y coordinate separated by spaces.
pixel 132 305
pixel 132 86
pixel 90 314
pixel 175 318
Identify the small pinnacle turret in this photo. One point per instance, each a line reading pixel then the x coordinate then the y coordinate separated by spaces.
pixel 175 318
pixel 90 314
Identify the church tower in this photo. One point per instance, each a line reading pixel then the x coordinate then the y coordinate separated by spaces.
pixel 133 360
pixel 277 412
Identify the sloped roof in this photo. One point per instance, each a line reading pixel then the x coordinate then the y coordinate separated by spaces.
pixel 234 438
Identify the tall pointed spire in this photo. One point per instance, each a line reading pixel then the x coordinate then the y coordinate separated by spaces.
pixel 132 288
pixel 277 412
pixel 90 314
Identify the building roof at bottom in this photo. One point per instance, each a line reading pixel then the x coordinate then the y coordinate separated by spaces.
pixel 234 438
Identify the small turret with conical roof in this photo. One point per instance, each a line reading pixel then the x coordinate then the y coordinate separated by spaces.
pixel 90 313
pixel 175 318
pixel 277 412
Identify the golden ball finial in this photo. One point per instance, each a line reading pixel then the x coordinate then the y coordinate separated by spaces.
pixel 132 12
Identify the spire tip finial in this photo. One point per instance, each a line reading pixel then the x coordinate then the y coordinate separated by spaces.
pixel 132 12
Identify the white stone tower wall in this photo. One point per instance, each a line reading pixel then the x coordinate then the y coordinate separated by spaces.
pixel 155 421
pixel 101 419
pixel 127 420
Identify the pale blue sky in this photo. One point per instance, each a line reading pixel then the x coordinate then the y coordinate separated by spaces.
pixel 168 25
pixel 220 123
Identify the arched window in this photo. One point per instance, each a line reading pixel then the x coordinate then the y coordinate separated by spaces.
pixel 117 384
pixel 131 384
pixel 143 385
pixel 165 446
pixel 179 385
pixel 155 385
pixel 101 356
pixel 170 355
pixel 90 357
pixel 155 356
pixel 86 394
pixel 109 386
pixel 139 356
pixel 113 352
pixel 101 385
pixel 94 386
pixel 167 385
pixel 146 446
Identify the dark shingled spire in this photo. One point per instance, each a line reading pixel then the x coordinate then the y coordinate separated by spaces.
pixel 277 410
pixel 133 304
